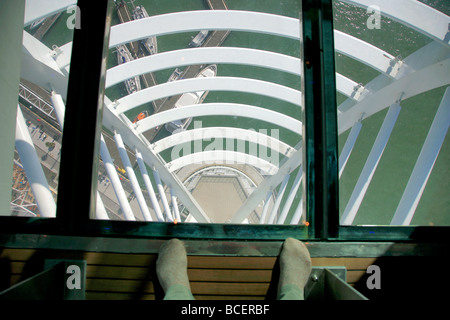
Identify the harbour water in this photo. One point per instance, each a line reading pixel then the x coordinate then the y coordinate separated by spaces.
pixel 405 142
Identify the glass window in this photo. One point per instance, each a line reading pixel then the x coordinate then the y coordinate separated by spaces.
pixel 35 115
pixel 392 75
pixel 202 119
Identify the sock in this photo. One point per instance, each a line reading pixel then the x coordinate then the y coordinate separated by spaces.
pixel 295 264
pixel 171 265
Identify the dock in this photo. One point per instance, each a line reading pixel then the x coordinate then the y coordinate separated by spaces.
pixel 45 26
pixel 215 39
pixel 137 49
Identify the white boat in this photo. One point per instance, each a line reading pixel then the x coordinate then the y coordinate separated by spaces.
pixel 37 23
pixel 175 75
pixel 123 56
pixel 150 44
pixel 190 98
pixel 199 39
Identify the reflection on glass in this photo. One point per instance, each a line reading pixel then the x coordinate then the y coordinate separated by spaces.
pixel 202 116
pixel 393 112
pixel 46 52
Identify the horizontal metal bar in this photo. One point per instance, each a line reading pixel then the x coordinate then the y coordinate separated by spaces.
pixel 222 247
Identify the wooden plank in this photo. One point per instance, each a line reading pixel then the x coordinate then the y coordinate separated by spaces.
pixel 354 276
pixel 96 295
pixel 118 285
pixel 226 288
pixel 217 275
pixel 17 254
pixel 229 275
pixel 221 262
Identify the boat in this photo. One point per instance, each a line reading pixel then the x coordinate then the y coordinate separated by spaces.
pixel 37 23
pixel 150 44
pixel 175 75
pixel 199 39
pixel 190 98
pixel 123 56
pixel 140 116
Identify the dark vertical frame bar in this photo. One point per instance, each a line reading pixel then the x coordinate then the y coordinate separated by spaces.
pixel 320 120
pixel 83 117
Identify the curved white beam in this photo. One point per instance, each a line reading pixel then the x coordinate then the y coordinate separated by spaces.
pixel 349 87
pixel 206 134
pixel 365 53
pixel 413 14
pixel 222 157
pixel 232 20
pixel 203 55
pixel 209 84
pixel 431 77
pixel 216 109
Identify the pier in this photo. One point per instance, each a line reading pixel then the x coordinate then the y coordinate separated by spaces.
pixel 136 48
pixel 45 26
pixel 214 39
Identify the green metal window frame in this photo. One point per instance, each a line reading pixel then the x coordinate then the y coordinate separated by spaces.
pixel 77 184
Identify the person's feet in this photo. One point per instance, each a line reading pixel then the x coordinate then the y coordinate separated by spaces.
pixel 295 264
pixel 171 265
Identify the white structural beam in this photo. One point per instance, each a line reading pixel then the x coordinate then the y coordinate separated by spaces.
pixel 59 107
pixel 205 20
pixel 291 196
pixel 176 211
pixel 217 109
pixel 134 140
pixel 262 219
pixel 434 52
pixel 33 168
pixel 174 88
pixel 203 55
pixel 349 87
pixel 149 186
pixel 115 181
pixel 216 133
pixel 223 157
pixel 431 77
pixel 412 13
pixel 370 166
pixel 39 67
pixel 38 9
pixel 132 176
pixel 100 211
pixel 424 165
pixel 11 17
pixel 278 199
pixel 269 184
pixel 365 53
pixel 298 213
pixel 162 195
pixel 348 147
pixel 177 58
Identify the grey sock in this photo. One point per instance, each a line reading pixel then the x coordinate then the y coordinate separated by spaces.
pixel 171 265
pixel 295 264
